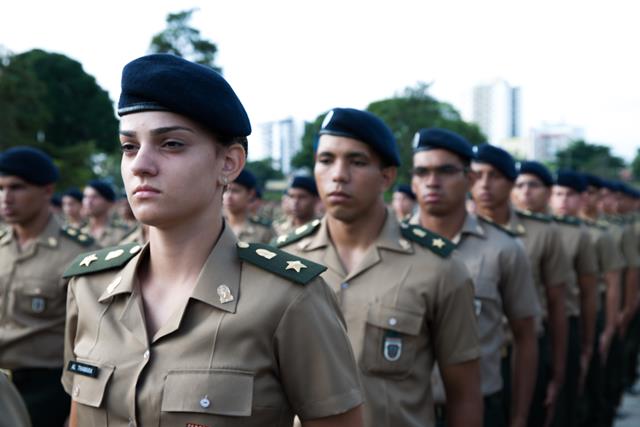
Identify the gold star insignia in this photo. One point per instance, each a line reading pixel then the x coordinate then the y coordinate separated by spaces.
pixel 438 243
pixel 295 265
pixel 265 253
pixel 88 260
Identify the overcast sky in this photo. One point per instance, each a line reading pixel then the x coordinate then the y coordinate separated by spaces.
pixel 577 62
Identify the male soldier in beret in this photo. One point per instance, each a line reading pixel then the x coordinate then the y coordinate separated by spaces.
pixel 34 251
pixel 498 264
pixel 98 199
pixel 302 197
pixel 495 177
pixel 237 198
pixel 72 208
pixel 403 201
pixel 406 298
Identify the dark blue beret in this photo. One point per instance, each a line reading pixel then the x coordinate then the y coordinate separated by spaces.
pixel 498 158
pixel 405 189
pixel 247 179
pixel 537 169
pixel 306 183
pixel 427 139
pixel 163 82
pixel 30 164
pixel 103 188
pixel 610 185
pixel 627 189
pixel 593 180
pixel 365 127
pixel 73 192
pixel 571 179
pixel 56 200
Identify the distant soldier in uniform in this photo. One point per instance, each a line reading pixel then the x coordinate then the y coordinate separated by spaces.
pixel 498 264
pixel 565 203
pixel 197 328
pixel 237 198
pixel 72 208
pixel 495 178
pixel 407 299
pixel 403 202
pixel 97 201
pixel 34 251
pixel 302 196
pixel 14 412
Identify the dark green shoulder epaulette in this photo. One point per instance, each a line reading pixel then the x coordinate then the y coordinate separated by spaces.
pixel 498 226
pixel 76 235
pixel 265 222
pixel 436 243
pixel 298 233
pixel 277 261
pixel 534 215
pixel 566 219
pixel 104 259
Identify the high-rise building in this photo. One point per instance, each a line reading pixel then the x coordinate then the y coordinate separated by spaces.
pixel 549 138
pixel 497 110
pixel 278 140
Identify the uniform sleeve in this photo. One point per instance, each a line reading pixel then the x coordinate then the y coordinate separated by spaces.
pixel 556 268
pixel 517 288
pixel 69 337
pixel 318 369
pixel 586 260
pixel 609 256
pixel 630 247
pixel 454 328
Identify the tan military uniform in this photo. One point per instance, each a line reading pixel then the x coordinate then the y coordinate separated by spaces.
pixel 13 412
pixel 542 243
pixel 135 235
pixel 33 295
pixel 284 226
pixel 249 348
pixel 255 231
pixel 111 235
pixel 503 287
pixel 581 252
pixel 407 305
pixel 608 254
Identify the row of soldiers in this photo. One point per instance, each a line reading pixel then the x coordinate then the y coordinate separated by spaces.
pixel 521 288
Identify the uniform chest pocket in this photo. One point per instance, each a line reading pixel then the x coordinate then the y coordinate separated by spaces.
pixel 485 284
pixel 391 341
pixel 41 302
pixel 196 396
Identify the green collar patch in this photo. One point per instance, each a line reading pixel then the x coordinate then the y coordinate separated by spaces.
pixel 279 262
pixel 569 220
pixel 436 243
pixel 534 215
pixel 265 222
pixel 300 232
pixel 498 226
pixel 104 259
pixel 76 235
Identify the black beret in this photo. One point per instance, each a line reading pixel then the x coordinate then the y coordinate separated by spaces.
pixel 405 189
pixel 163 82
pixel 103 188
pixel 571 179
pixel 73 192
pixel 247 179
pixel 537 169
pixel 306 183
pixel 56 200
pixel 593 180
pixel 30 164
pixel 627 189
pixel 498 158
pixel 365 127
pixel 427 139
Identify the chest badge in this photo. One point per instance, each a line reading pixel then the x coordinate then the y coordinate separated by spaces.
pixel 224 293
pixel 38 304
pixel 392 349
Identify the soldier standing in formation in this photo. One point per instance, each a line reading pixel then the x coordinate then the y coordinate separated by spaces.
pixel 72 208
pixel 403 202
pixel 302 197
pixel 97 201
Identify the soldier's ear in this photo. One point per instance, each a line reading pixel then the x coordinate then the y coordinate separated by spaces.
pixel 233 161
pixel 389 175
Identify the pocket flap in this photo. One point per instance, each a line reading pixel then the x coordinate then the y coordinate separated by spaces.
pixel 209 391
pixel 395 319
pixel 89 390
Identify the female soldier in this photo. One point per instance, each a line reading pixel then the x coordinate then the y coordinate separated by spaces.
pixel 196 328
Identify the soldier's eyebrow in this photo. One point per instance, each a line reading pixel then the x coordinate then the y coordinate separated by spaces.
pixel 157 131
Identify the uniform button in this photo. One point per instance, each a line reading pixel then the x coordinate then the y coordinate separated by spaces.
pixel 393 321
pixel 146 355
pixel 345 285
pixel 205 403
pixel 76 390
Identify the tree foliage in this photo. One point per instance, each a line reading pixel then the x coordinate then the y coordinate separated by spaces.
pixel 635 166
pixel 180 39
pixel 585 157
pixel 405 114
pixel 264 171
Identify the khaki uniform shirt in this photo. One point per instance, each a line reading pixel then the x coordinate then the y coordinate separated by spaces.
pixel 580 250
pixel 403 295
pixel 111 235
pixel 503 286
pixel 33 295
pixel 135 235
pixel 255 232
pixel 608 253
pixel 249 348
pixel 624 240
pixel 547 257
pixel 13 412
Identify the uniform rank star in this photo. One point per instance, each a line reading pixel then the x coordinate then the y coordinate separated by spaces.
pixel 88 260
pixel 295 265
pixel 438 243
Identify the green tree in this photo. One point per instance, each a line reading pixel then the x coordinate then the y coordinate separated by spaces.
pixel 180 39
pixel 585 157
pixel 635 166
pixel 264 171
